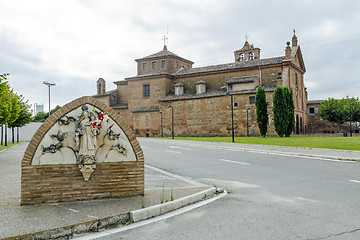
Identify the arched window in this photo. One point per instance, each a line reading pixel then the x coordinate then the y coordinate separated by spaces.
pixel 251 56
pixel 241 57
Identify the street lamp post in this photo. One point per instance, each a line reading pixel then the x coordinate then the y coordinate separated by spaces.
pixel 247 121
pixel 49 85
pixel 172 121
pixel 351 104
pixel 232 115
pixel 161 124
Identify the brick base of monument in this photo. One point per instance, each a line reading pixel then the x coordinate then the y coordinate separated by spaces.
pixel 64 183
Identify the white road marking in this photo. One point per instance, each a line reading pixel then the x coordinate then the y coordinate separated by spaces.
pixel 355 181
pixel 73 210
pixel 157 179
pixel 185 148
pixel 225 160
pixel 317 158
pixel 197 184
pixel 170 151
pixel 151 220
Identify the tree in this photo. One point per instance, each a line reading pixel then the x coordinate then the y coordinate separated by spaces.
pixel 279 109
pixel 5 100
pixel 261 110
pixel 5 103
pixel 283 108
pixel 24 115
pixel 338 110
pixel 41 116
pixel 290 111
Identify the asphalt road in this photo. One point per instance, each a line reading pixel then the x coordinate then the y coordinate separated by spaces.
pixel 270 196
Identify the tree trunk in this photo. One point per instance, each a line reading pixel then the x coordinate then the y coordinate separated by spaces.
pixel 13 134
pixel 2 133
pixel 338 127
pixel 17 136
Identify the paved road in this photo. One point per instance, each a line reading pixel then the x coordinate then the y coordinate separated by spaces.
pixel 271 196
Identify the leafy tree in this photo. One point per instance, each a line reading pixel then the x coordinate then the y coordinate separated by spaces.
pixel 5 103
pixel 261 111
pixel 25 115
pixel 280 111
pixel 55 109
pixel 290 111
pixel 338 110
pixel 41 116
pixel 5 100
pixel 15 108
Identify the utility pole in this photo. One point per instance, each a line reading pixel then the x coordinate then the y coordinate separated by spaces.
pixel 49 85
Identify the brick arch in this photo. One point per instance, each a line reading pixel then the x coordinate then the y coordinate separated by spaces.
pixel 64 182
pixel 52 120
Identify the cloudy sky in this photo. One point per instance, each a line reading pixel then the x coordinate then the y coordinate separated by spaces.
pixel 72 43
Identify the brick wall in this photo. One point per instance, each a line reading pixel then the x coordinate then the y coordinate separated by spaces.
pixel 64 182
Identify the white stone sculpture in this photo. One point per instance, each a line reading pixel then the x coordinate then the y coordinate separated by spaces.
pixel 85 137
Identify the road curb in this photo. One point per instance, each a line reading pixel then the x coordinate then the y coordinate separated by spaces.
pixel 121 219
pixel 251 149
pixel 156 210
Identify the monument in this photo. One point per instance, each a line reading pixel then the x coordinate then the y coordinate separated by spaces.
pixel 83 151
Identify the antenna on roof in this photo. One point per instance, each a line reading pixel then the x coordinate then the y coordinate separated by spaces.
pixel 246 37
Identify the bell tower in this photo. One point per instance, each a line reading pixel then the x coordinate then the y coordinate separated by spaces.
pixel 101 86
pixel 247 52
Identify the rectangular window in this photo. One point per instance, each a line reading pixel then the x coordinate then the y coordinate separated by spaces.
pixel 163 63
pixel 177 64
pixel 153 65
pixel 252 99
pixel 146 90
pixel 144 66
pixel 236 104
pixel 296 80
pixel 311 110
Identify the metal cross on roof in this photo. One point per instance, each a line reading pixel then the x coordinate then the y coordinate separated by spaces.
pixel 246 37
pixel 164 39
pixel 294 31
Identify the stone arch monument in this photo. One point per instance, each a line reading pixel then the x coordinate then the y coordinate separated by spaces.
pixel 83 151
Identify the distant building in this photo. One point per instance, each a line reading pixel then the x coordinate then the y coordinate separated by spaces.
pixel 38 108
pixel 317 125
pixel 197 95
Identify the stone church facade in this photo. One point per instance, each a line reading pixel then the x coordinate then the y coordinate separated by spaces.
pixel 166 82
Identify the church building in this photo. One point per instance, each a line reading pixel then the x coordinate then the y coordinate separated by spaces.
pixel 168 91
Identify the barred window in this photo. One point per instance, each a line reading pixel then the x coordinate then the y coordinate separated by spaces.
pixel 146 90
pixel 252 99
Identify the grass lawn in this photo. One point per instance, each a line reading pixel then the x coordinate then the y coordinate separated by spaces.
pixel 343 143
pixel 9 144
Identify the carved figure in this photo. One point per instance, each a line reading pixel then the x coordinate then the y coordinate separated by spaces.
pixel 85 133
pixel 111 134
pixel 85 139
pixel 52 148
pixel 60 136
pixel 66 121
